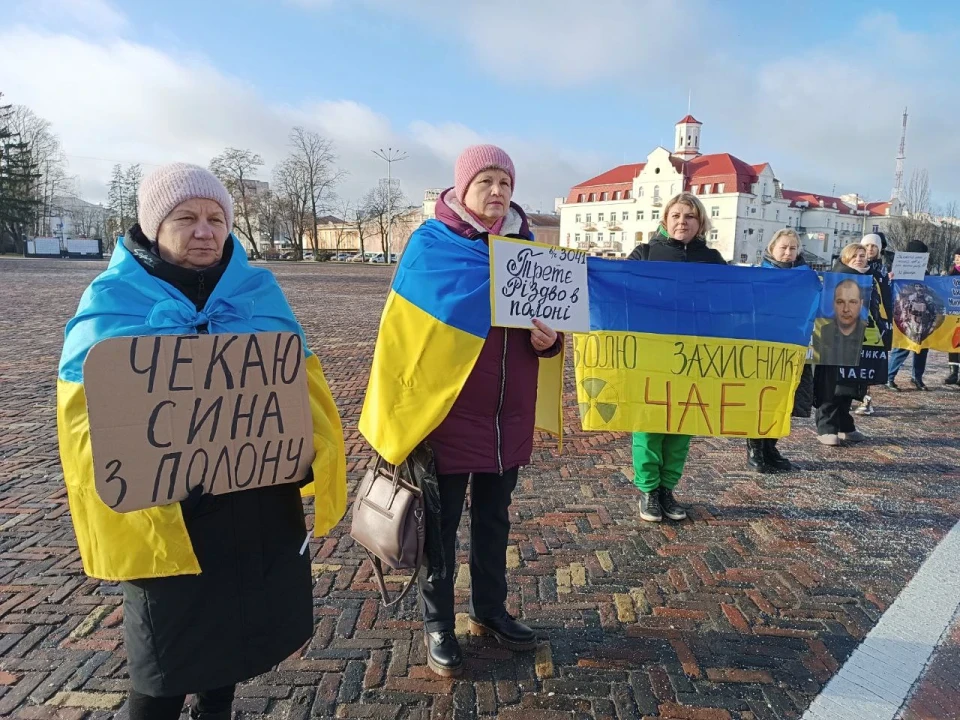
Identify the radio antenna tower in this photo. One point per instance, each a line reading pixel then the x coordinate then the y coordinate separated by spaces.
pixel 898 179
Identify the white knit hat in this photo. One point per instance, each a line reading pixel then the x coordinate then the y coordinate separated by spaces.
pixel 168 186
pixel 872 239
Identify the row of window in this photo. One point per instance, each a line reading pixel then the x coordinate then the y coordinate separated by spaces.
pixel 708 189
pixel 699 189
pixel 588 237
pixel 654 215
pixel 625 215
pixel 623 195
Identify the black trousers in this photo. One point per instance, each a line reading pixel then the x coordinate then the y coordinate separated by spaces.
pixel 489 531
pixel 834 417
pixel 208 705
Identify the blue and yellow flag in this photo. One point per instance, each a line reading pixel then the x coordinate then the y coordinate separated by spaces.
pixel 123 301
pixel 926 315
pixel 693 349
pixel 435 321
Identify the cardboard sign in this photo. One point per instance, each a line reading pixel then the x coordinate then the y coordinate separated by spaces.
pixel 535 281
pixel 171 412
pixel 910 265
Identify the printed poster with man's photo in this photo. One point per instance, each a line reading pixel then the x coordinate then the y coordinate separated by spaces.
pixel 842 319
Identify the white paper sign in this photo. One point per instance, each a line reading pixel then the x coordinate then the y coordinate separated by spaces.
pixel 910 265
pixel 534 281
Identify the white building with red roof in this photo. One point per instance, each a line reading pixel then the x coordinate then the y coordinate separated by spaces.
pixel 612 213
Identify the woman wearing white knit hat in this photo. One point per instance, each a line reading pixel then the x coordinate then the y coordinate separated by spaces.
pixel 875 244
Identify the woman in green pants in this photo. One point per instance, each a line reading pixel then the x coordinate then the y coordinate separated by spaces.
pixel 658 458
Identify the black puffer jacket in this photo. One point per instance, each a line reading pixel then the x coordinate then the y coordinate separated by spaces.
pixel 665 249
pixel 251 606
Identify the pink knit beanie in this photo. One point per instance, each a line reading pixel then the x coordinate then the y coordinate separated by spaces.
pixel 474 160
pixel 168 186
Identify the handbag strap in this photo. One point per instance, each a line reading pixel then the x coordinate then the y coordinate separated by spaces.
pixel 378 574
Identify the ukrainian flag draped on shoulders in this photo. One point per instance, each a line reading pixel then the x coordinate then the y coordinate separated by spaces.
pixel 124 301
pixel 435 321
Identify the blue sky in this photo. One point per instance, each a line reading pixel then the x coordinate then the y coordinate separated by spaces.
pixel 569 88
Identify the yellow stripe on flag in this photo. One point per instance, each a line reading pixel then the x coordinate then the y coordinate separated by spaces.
pixel 419 367
pixel 329 486
pixel 115 546
pixel 686 385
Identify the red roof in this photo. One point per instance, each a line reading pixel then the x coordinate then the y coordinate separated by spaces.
pixel 620 178
pixel 760 168
pixel 620 174
pixel 828 202
pixel 878 208
pixel 734 173
pixel 690 119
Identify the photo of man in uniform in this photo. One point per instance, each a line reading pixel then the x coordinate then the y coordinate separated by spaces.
pixel 838 341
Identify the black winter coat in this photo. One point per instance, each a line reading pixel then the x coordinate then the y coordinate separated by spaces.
pixel 665 249
pixel 251 607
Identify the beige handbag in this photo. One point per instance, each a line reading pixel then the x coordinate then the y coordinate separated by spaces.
pixel 388 521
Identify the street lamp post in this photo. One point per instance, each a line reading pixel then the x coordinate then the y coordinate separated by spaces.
pixel 390 156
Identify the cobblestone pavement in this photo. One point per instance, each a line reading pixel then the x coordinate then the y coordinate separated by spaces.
pixel 937 694
pixel 744 611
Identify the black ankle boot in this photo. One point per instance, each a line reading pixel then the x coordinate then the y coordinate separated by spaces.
pixel 509 632
pixel 443 653
pixel 773 457
pixel 756 457
pixel 954 377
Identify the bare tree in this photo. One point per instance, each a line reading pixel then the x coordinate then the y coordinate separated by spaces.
pixel 946 241
pixel 381 205
pixel 117 197
pixel 47 154
pixel 236 168
pixel 85 218
pixel 293 190
pixel 359 222
pixel 269 217
pixel 342 230
pixel 915 221
pixel 132 179
pixel 314 154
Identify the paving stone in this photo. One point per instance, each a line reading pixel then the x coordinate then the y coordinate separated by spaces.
pixel 744 611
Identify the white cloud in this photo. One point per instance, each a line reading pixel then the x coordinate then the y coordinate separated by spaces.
pixel 832 113
pixel 95 16
pixel 118 101
pixel 823 112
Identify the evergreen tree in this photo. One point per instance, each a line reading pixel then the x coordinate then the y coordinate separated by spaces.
pixel 18 176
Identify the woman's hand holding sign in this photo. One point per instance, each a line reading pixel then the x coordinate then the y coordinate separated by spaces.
pixel 542 337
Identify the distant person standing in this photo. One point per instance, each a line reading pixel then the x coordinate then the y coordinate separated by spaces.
pixel 834 397
pixel 876 244
pixel 659 458
pixel 783 253
pixel 898 356
pixel 953 378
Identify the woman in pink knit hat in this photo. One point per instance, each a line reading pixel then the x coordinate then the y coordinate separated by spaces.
pixel 488 433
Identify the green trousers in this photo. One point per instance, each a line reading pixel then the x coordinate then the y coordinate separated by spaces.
pixel 658 460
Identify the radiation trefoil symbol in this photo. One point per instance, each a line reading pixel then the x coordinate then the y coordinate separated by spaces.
pixel 601 404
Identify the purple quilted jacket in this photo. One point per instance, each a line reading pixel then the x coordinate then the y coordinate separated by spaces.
pixel 490 427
